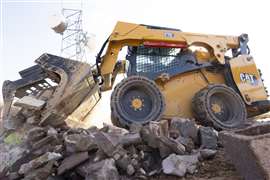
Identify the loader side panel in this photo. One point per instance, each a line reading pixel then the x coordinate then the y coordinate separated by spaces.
pixel 180 89
pixel 247 79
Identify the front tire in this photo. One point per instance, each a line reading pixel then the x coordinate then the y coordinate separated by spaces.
pixel 136 99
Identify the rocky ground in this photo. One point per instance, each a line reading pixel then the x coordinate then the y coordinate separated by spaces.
pixel 1 107
pixel 170 149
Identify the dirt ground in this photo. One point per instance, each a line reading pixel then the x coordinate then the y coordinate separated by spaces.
pixel 216 169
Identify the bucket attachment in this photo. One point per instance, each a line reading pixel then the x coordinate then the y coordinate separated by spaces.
pixel 50 91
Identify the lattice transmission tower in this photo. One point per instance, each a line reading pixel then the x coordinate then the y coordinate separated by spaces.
pixel 73 38
pixel 69 25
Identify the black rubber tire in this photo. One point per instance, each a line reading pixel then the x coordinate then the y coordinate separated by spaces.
pixel 232 113
pixel 123 114
pixel 115 121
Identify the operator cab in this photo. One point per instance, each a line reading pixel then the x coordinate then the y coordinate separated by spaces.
pixel 154 61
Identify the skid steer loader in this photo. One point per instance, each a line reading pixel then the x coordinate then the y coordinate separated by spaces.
pixel 172 73
pixel 169 73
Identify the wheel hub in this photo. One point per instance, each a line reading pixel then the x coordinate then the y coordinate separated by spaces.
pixel 216 108
pixel 221 107
pixel 137 103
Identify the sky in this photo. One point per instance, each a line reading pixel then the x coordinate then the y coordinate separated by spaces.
pixel 25 33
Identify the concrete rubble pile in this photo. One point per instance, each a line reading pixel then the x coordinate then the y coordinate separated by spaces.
pixel 173 147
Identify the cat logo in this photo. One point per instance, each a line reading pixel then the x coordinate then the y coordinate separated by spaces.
pixel 249 78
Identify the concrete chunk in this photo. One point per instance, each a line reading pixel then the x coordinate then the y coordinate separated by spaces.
pixel 187 143
pixel 72 161
pixel 130 138
pixel 179 165
pixel 9 156
pixel 112 149
pixel 79 143
pixel 101 170
pixel 41 160
pixel 185 128
pixel 156 135
pixel 207 153
pixel 29 102
pixel 114 130
pixel 43 142
pixel 208 138
pixel 36 134
pixel 40 173
pixel 249 150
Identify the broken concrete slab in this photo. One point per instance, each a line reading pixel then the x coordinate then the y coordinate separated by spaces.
pixel 10 155
pixel 51 131
pixel 114 130
pixel 208 138
pixel 30 102
pixel 99 155
pixel 13 176
pixel 102 170
pixel 113 149
pixel 72 161
pixel 179 165
pixel 15 120
pixel 108 144
pixel 45 141
pixel 187 142
pixel 124 163
pixel 151 162
pixel 135 128
pixel 79 143
pixel 37 162
pixel 130 170
pixel 149 134
pixel 207 153
pixel 130 138
pixel 185 128
pixel 248 150
pixel 156 135
pixel 40 173
pixel 35 134
pixel 173 145
pixel 58 148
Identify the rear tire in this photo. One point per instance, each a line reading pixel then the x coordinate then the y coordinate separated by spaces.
pixel 219 106
pixel 136 99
